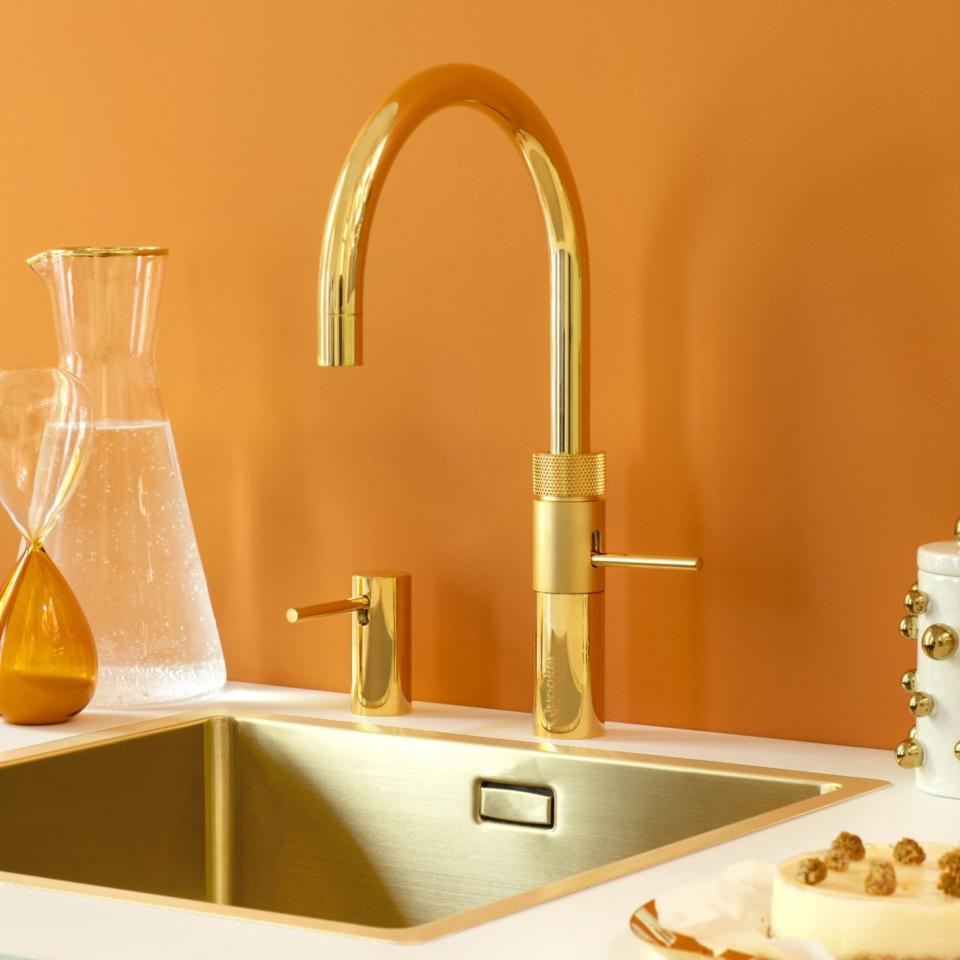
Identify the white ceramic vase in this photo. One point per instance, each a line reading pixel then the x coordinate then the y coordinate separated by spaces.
pixel 933 619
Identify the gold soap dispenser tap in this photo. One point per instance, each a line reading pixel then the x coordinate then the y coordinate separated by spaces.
pixel 380 604
pixel 568 481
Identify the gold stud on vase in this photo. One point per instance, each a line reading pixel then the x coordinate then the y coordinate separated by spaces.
pixel 921 705
pixel 956 749
pixel 956 529
pixel 908 627
pixel 909 754
pixel 939 641
pixel 912 735
pixel 909 681
pixel 916 601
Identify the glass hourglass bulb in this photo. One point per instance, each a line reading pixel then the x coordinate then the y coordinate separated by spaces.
pixel 48 661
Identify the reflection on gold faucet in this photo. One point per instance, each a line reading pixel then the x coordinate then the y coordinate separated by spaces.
pixel 568 482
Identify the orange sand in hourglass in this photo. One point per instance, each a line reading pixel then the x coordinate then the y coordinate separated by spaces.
pixel 48 660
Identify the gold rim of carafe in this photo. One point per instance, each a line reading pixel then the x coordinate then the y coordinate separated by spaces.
pixel 99 252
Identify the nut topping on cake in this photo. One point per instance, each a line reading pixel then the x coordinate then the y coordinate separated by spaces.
pixel 881 878
pixel 950 883
pixel 852 844
pixel 811 871
pixel 909 852
pixel 950 860
pixel 949 865
pixel 837 859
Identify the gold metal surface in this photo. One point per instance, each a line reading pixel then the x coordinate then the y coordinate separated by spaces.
pixel 98 252
pixel 361 830
pixel 510 803
pixel 573 475
pixel 570 684
pixel 563 531
pixel 358 187
pixel 382 647
pixel 909 681
pixel 318 610
pixel 568 583
pixel 908 628
pixel 921 704
pixel 218 765
pixel 568 481
pixel 909 754
pixel 649 563
pixel 916 601
pixel 956 529
pixel 939 641
pixel 381 659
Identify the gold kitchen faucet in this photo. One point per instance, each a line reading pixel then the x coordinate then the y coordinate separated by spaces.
pixel 379 602
pixel 568 482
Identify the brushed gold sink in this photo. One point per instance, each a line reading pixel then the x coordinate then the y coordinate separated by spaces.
pixel 376 832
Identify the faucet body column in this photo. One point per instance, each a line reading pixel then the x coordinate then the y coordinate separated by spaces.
pixel 568 524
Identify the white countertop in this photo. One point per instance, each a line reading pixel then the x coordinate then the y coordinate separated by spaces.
pixel 47 925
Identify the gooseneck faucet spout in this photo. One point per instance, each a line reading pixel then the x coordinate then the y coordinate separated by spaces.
pixel 357 191
pixel 569 482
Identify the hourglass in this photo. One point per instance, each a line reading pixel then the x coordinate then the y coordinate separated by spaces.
pixel 48 661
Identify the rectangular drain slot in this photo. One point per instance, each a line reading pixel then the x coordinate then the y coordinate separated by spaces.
pixel 518 804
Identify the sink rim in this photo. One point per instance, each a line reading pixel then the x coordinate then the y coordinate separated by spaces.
pixel 833 789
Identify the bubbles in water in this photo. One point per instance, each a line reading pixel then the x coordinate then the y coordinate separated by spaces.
pixel 126 545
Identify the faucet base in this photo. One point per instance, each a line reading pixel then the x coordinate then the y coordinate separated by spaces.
pixel 381 646
pixel 569 695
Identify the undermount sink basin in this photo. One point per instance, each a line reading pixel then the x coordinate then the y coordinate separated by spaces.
pixel 376 832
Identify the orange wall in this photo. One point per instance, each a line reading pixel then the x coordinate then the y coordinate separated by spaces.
pixel 772 194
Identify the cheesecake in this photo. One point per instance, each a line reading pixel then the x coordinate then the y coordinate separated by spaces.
pixel 872 901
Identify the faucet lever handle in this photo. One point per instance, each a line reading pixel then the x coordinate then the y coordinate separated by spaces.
pixel 381 640
pixel 317 610
pixel 643 562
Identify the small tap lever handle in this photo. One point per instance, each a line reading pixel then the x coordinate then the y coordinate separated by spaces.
pixel 317 610
pixel 381 640
pixel 648 563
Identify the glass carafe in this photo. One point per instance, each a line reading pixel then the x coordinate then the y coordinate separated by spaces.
pixel 126 541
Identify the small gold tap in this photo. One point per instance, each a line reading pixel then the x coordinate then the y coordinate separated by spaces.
pixel 380 603
pixel 568 482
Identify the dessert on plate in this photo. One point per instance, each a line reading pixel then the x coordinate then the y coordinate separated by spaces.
pixel 872 901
